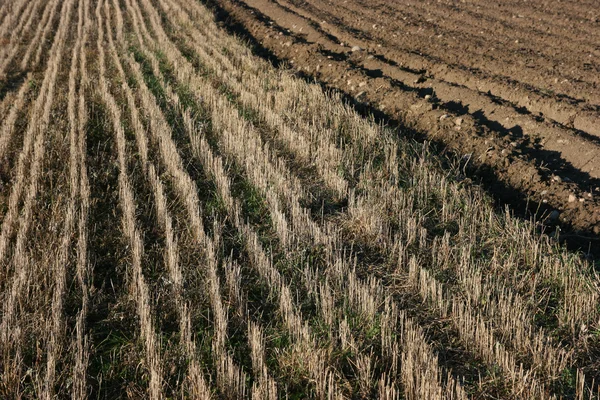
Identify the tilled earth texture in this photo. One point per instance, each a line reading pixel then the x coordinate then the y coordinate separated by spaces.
pixel 510 87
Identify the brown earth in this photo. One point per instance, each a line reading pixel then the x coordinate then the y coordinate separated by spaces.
pixel 510 87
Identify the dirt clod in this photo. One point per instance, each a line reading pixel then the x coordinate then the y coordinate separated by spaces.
pixel 554 215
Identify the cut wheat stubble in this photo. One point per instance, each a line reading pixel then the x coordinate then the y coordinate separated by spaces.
pixel 21 261
pixel 42 31
pixel 293 321
pixel 229 377
pixel 70 216
pixel 294 326
pixel 229 116
pixel 19 31
pixel 137 285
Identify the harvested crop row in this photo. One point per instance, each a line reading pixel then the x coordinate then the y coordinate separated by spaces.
pixel 79 344
pixel 21 29
pixel 293 326
pixel 41 32
pixel 229 200
pixel 24 266
pixel 187 189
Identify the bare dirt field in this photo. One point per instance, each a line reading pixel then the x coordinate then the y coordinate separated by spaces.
pixel 512 87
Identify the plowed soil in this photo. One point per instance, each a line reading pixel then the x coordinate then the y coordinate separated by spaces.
pixel 511 87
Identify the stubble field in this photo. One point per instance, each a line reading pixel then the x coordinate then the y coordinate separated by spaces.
pixel 181 219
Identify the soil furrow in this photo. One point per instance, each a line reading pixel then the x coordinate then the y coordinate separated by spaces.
pixel 539 100
pixel 482 38
pixel 431 45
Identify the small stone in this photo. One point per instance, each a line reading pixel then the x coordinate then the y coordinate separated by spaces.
pixel 356 48
pixel 513 144
pixel 427 96
pixel 572 198
pixel 362 84
pixel 443 117
pixel 557 178
pixel 458 121
pixel 581 200
pixel 288 43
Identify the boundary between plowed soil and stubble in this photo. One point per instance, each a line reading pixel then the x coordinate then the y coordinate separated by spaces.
pixel 535 181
